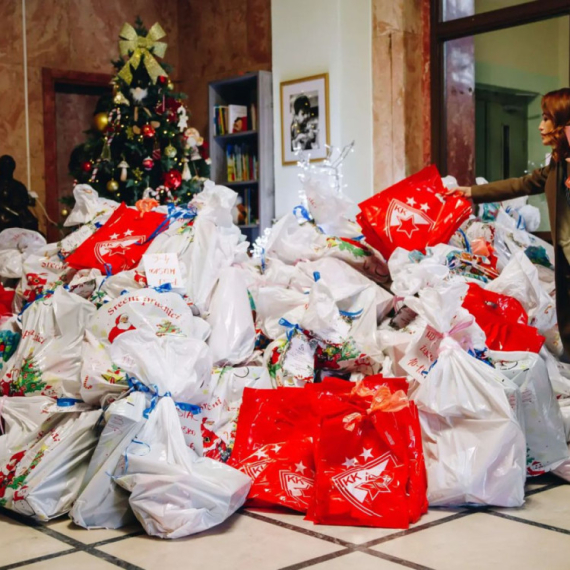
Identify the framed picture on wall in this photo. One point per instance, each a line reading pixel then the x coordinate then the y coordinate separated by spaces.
pixel 305 118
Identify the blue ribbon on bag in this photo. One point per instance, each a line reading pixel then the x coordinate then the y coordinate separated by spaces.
pixel 301 212
pixel 66 402
pixel 351 314
pixel 291 328
pixel 174 213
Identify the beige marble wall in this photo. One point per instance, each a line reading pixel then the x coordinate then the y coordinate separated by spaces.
pixel 220 38
pixel 400 70
pixel 78 35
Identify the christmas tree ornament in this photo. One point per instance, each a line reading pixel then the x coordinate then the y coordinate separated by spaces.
pixel 148 131
pixel 142 49
pixel 170 151
pixel 163 80
pixel 148 163
pixel 106 152
pixel 120 99
pixel 100 121
pixel 86 166
pixel 138 174
pixel 182 118
pixel 170 85
pixel 123 165
pixel 64 212
pixel 156 153
pixel 186 170
pixel 172 179
pixel 130 133
pixel 112 185
pixel 138 94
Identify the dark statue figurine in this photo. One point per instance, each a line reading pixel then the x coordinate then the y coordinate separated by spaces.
pixel 14 199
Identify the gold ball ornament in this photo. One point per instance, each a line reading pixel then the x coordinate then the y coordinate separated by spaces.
pixel 100 121
pixel 112 185
pixel 170 85
pixel 64 212
pixel 170 151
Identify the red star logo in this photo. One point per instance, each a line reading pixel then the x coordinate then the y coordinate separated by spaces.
pixel 407 225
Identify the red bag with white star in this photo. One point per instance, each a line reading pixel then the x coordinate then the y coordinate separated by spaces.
pixel 412 214
pixel 118 245
pixel 369 463
pixel 282 473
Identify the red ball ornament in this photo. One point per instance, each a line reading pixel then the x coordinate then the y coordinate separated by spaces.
pixel 148 163
pixel 162 80
pixel 87 166
pixel 172 179
pixel 148 131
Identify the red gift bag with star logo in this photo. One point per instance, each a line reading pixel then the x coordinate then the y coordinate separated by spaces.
pixel 412 214
pixel 119 244
pixel 369 461
pixel 274 447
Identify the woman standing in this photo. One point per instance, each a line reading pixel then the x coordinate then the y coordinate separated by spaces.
pixel 554 180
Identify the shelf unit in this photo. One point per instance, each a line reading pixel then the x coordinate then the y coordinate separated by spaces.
pixel 256 88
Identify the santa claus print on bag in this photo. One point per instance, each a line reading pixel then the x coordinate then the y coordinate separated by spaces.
pixel 122 324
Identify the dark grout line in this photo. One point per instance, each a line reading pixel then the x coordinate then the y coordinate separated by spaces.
pixel 318 560
pixel 117 538
pixel 418 528
pixel 529 522
pixel 77 546
pixel 299 529
pixel 547 487
pixel 38 559
pixel 397 560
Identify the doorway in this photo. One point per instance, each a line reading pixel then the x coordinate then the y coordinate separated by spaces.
pixel 69 99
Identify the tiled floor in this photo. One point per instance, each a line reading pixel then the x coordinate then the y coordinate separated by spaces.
pixel 535 537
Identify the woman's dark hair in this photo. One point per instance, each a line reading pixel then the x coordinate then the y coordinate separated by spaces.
pixel 302 102
pixel 556 107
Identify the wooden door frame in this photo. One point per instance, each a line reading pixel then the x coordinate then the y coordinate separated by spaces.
pixel 51 80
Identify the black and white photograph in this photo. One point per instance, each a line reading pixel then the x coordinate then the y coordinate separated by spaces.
pixel 304 121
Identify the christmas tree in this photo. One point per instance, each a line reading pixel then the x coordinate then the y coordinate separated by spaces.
pixel 30 378
pixel 140 144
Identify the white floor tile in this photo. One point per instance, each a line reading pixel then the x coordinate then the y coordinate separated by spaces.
pixel 76 561
pixel 483 541
pixel 19 542
pixel 356 561
pixel 67 527
pixel 241 542
pixel 352 534
pixel 549 507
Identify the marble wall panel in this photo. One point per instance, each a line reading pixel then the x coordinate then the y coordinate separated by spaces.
pixel 400 46
pixel 11 47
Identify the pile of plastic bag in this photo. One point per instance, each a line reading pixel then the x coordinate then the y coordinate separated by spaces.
pixel 349 370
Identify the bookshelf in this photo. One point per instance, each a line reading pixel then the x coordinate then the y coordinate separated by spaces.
pixel 250 151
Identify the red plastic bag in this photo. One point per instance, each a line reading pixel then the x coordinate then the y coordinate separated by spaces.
pixel 362 471
pixel 6 299
pixel 503 319
pixel 412 214
pixel 120 244
pixel 384 482
pixel 282 473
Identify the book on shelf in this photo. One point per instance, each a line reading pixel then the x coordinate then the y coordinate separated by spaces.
pixel 237 118
pixel 242 164
pixel 220 120
pixel 244 210
pixel 253 115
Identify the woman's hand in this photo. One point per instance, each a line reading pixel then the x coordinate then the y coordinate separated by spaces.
pixel 464 190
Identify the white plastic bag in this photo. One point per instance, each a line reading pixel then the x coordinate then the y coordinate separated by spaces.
pixel 175 493
pixel 473 445
pixel 232 339
pixel 44 455
pixel 89 206
pixel 520 280
pixel 48 358
pixel 543 425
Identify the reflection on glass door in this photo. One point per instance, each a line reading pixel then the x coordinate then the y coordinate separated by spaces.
pixel 494 84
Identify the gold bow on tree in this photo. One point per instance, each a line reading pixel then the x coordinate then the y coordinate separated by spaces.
pixel 139 46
